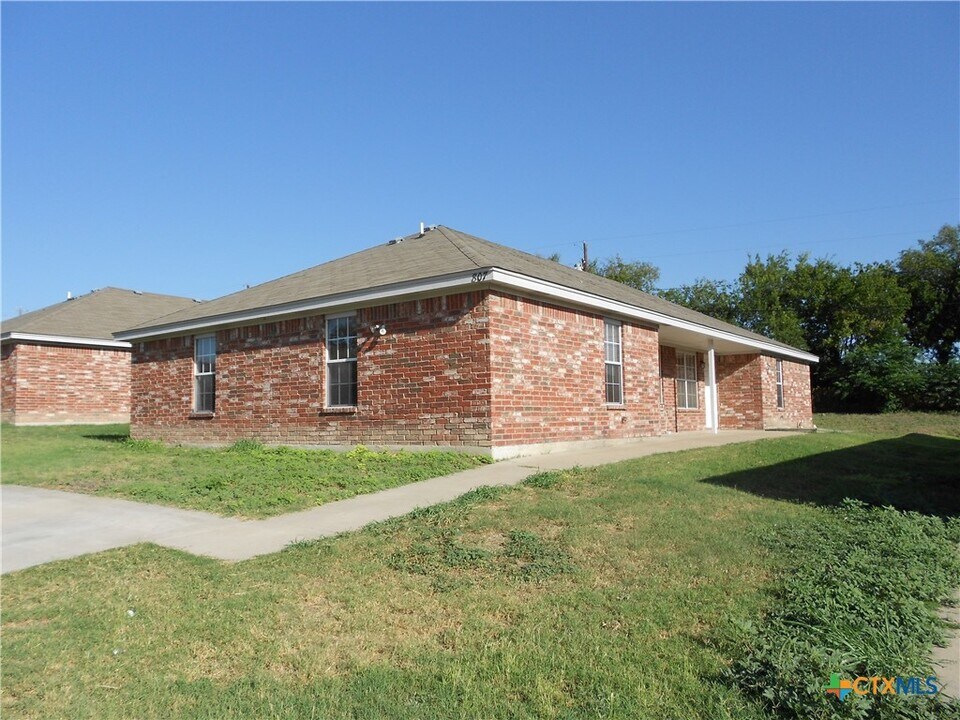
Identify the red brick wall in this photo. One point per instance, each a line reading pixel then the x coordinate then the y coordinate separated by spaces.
pixel 50 384
pixel 674 419
pixel 547 364
pixel 8 382
pixel 474 369
pixel 738 387
pixel 797 411
pixel 426 382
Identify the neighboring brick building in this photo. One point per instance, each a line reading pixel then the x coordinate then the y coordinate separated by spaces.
pixel 61 364
pixel 445 339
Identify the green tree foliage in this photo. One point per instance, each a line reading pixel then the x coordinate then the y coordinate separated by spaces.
pixel 767 300
pixel 716 298
pixel 931 275
pixel 639 275
pixel 877 377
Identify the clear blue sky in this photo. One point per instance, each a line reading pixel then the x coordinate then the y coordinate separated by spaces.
pixel 194 148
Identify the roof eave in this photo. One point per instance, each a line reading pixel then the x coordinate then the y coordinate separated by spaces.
pixel 413 288
pixel 480 277
pixel 45 339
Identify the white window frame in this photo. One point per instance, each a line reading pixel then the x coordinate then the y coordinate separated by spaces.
pixel 780 396
pixel 684 382
pixel 660 372
pixel 617 363
pixel 327 361
pixel 197 374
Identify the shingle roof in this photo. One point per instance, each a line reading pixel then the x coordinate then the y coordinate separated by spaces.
pixel 439 251
pixel 96 315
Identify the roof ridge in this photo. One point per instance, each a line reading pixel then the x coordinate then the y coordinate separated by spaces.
pixel 302 271
pixel 94 314
pixel 140 292
pixel 51 310
pixel 459 246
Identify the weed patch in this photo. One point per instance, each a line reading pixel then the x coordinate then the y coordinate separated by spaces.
pixel 544 480
pixel 857 596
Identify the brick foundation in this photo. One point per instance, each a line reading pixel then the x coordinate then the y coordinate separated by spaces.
pixel 53 384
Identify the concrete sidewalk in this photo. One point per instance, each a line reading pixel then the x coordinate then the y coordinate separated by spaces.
pixel 946 659
pixel 41 525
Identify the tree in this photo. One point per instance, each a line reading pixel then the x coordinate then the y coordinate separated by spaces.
pixel 766 300
pixel 638 274
pixel 931 276
pixel 716 298
pixel 878 377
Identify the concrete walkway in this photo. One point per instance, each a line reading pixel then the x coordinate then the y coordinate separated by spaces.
pixel 946 660
pixel 40 525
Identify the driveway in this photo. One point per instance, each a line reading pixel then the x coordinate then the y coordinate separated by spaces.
pixel 40 525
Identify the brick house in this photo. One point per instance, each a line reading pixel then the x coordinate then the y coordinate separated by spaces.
pixel 445 339
pixel 61 364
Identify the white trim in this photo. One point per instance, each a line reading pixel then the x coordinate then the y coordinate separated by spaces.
pixel 619 363
pixel 327 361
pixel 349 299
pixel 695 380
pixel 197 374
pixel 63 340
pixel 710 390
pixel 660 377
pixel 490 276
pixel 543 287
pixel 779 386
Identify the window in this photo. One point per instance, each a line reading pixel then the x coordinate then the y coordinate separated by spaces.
pixel 204 373
pixel 342 362
pixel 660 373
pixel 613 365
pixel 687 380
pixel 780 384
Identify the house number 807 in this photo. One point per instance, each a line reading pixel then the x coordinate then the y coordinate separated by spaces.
pixel 480 276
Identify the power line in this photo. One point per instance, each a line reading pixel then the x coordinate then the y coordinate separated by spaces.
pixel 768 222
pixel 780 246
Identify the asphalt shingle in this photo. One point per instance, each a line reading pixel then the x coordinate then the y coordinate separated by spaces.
pixel 97 314
pixel 437 252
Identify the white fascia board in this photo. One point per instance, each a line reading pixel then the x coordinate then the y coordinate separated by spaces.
pixel 606 305
pixel 63 340
pixel 343 301
pixel 480 278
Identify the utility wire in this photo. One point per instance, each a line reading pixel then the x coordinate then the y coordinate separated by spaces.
pixel 780 246
pixel 577 243
pixel 767 222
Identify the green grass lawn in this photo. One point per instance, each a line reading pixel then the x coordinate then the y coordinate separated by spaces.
pixel 897 423
pixel 619 592
pixel 246 479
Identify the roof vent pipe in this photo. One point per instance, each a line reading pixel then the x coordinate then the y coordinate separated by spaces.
pixel 421 228
pixel 69 295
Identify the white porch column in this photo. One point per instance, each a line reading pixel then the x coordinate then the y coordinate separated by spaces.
pixel 713 402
